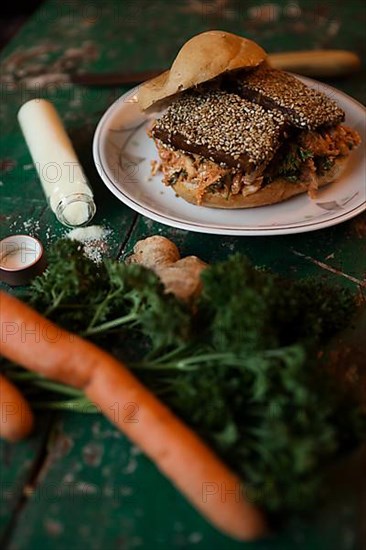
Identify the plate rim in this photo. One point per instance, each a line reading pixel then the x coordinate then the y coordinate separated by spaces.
pixel 212 228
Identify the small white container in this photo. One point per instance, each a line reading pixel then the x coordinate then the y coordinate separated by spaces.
pixel 21 259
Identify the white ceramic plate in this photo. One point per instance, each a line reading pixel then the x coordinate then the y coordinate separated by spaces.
pixel 123 153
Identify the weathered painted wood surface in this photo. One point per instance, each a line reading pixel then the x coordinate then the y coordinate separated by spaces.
pixel 78 483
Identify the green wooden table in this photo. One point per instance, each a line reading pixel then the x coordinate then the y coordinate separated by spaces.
pixel 77 482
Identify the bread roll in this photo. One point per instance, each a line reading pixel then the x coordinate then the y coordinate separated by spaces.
pixel 235 126
pixel 201 59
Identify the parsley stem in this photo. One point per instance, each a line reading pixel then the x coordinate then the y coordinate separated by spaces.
pixel 191 362
pixel 111 324
pixel 43 383
pixel 21 376
pixel 82 405
pixel 55 304
pixel 180 350
pixel 57 388
pixel 100 308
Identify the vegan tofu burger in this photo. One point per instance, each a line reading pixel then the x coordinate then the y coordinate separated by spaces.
pixel 234 133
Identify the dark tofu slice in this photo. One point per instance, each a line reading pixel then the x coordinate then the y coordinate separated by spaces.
pixel 304 107
pixel 222 127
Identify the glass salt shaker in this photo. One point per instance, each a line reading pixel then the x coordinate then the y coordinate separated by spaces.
pixel 62 177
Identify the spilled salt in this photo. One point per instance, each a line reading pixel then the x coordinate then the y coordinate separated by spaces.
pixel 94 239
pixel 90 233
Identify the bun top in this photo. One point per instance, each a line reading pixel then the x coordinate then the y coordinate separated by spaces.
pixel 202 58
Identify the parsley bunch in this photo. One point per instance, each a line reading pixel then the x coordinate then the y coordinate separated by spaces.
pixel 239 365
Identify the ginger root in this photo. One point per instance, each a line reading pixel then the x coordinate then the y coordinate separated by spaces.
pixel 180 276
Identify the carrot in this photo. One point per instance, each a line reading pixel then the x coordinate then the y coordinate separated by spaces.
pixel 39 345
pixel 16 419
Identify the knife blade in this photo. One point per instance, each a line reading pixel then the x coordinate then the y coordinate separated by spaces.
pixel 315 63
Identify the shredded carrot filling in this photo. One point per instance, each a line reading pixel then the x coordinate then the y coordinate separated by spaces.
pixel 204 174
pixel 310 154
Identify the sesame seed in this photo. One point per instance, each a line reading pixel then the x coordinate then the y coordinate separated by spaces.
pixel 301 105
pixel 223 123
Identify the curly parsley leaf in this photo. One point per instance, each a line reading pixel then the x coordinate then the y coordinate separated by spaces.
pixel 240 367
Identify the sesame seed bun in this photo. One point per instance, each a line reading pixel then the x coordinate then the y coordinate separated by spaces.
pixel 278 190
pixel 201 59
